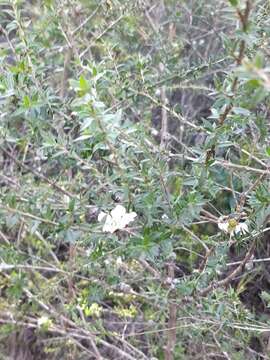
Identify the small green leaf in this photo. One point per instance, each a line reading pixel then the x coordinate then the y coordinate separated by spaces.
pixel 84 85
pixel 241 111
pixel 26 102
pixel 233 2
pixel 259 61
pixel 267 150
pixel 72 236
pixel 266 297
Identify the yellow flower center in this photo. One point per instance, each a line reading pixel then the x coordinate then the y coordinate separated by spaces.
pixel 232 224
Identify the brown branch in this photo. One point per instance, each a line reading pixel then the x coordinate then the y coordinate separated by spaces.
pixel 4 237
pixel 243 16
pixel 109 27
pixel 180 118
pixel 164 115
pixel 149 268
pixel 244 195
pixel 171 339
pixel 232 275
pixel 27 215
pixel 36 173
pixel 231 165
pixel 9 42
pixel 66 322
pixel 64 80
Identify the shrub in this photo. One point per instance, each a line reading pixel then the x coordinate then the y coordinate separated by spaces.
pixel 134 180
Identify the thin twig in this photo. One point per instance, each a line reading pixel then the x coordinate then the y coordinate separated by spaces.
pixel 171 335
pixel 243 16
pixel 28 215
pixel 232 275
pixel 64 80
pixel 164 116
pixel 100 35
pixel 36 173
pixel 148 267
pixel 3 236
pixel 9 42
pixel 175 114
pixel 195 237
pixel 82 24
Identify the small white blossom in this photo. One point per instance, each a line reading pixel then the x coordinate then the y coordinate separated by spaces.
pixel 118 219
pixel 43 320
pixel 223 225
pixel 154 132
pixel 66 199
pixel 108 261
pixel 164 217
pixel 241 228
pixel 231 226
pixel 101 216
pixel 119 261
pixel 249 264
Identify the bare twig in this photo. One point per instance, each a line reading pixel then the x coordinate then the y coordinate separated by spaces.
pixel 172 112
pixel 195 237
pixel 232 275
pixel 9 42
pixel 36 173
pixel 149 268
pixel 64 81
pixel 82 24
pixel 164 116
pixel 243 16
pixel 109 27
pixel 171 335
pixel 27 215
pixel 244 195
pixel 3 236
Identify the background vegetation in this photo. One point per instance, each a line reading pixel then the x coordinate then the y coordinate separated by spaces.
pixel 162 107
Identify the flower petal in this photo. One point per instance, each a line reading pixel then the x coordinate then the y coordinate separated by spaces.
pixel 101 216
pixel 110 225
pixel 130 217
pixel 223 226
pixel 241 228
pixel 118 219
pixel 126 219
pixel 118 212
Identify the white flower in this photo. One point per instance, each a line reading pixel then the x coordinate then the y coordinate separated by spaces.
pixel 223 225
pixel 241 228
pixel 118 219
pixel 231 226
pixel 43 320
pixel 164 217
pixel 66 199
pixel 119 261
pixel 249 265
pixel 101 216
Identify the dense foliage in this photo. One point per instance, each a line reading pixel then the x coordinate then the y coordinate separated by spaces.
pixel 159 109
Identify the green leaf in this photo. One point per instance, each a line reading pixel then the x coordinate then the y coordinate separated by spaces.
pixel 233 2
pixel 84 85
pixel 87 123
pixel 82 138
pixel 259 61
pixel 72 236
pixel 26 102
pixel 241 111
